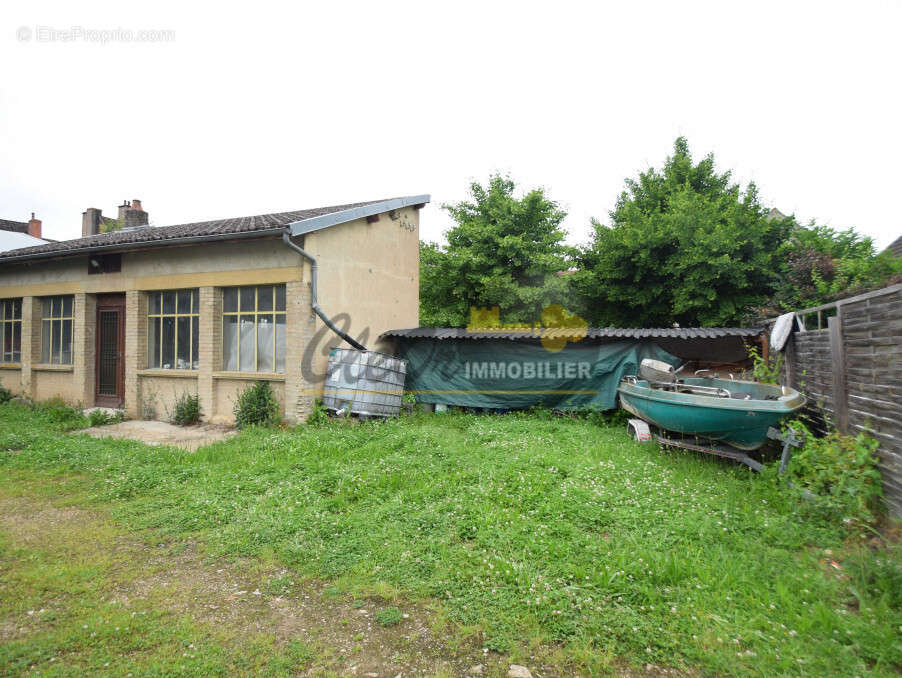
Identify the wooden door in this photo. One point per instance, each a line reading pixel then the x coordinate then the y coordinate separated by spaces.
pixel 110 353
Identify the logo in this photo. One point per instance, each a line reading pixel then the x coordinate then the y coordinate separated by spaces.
pixel 557 328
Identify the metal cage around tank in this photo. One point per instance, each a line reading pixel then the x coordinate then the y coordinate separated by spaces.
pixel 365 383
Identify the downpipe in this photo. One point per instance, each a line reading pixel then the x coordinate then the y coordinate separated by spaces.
pixel 286 238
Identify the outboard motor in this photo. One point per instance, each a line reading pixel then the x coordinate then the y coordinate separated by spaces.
pixel 656 371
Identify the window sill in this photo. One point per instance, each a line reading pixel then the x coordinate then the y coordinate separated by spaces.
pixel 10 366
pixel 250 376
pixel 183 374
pixel 48 367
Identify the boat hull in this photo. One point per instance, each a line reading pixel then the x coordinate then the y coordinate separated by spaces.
pixel 740 423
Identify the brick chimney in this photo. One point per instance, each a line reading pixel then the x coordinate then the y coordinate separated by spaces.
pixel 90 222
pixel 134 215
pixel 34 227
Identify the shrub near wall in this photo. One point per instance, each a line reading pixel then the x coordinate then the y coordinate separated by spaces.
pixel 256 406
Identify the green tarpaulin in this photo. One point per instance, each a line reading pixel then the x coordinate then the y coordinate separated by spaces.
pixel 503 374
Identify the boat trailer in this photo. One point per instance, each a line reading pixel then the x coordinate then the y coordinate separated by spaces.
pixel 642 433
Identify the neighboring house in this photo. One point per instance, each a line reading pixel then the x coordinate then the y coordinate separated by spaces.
pixel 18 234
pixel 895 247
pixel 136 317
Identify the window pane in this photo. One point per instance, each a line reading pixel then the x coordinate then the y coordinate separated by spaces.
pixel 57 307
pixel 195 301
pixel 17 342
pixel 54 339
pixel 194 343
pixel 45 307
pixel 247 299
pixel 246 364
pixel 183 359
pixel 7 342
pixel 67 307
pixel 17 308
pixel 153 342
pixel 280 297
pixel 45 341
pixel 230 300
pixel 280 343
pixel 66 353
pixel 168 341
pixel 264 298
pixel 230 343
pixel 265 338
pixel 168 302
pixel 184 297
pixel 153 304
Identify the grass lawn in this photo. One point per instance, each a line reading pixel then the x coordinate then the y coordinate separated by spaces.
pixel 554 543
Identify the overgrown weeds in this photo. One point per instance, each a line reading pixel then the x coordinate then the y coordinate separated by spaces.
pixel 841 473
pixel 256 406
pixel 187 410
pixel 542 527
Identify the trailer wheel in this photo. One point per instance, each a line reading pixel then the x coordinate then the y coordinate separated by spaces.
pixel 639 430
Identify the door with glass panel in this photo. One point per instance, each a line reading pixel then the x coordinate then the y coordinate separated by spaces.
pixel 110 352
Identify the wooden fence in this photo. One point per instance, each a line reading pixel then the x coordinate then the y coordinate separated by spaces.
pixel 848 361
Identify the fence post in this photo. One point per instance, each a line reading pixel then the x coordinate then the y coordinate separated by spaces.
pixel 838 358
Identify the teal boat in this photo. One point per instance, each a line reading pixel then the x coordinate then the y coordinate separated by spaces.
pixel 732 411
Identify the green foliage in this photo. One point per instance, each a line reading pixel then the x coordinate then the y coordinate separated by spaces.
pixel 820 264
pixel 109 225
pixel 187 410
pixel 318 415
pixel 841 471
pixel 504 251
pixel 103 418
pixel 765 371
pixel 5 395
pixel 256 406
pixel 685 245
pixel 60 415
pixel 389 616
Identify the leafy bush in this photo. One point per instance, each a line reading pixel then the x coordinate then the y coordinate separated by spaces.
pixel 103 418
pixel 60 415
pixel 765 371
pixel 256 406
pixel 187 410
pixel 389 616
pixel 841 471
pixel 318 415
pixel 5 395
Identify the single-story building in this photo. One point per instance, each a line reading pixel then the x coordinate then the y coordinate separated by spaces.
pixel 132 315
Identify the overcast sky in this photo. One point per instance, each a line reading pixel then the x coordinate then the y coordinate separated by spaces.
pixel 255 107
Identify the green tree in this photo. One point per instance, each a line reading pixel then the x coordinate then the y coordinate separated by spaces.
pixel 685 245
pixel 503 251
pixel 821 264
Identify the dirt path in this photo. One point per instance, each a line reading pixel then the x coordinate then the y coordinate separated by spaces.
pixel 243 596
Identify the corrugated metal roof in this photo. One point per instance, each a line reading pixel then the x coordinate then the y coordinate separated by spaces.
pixel 591 333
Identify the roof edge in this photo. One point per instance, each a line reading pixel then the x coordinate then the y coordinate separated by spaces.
pixel 144 244
pixel 312 224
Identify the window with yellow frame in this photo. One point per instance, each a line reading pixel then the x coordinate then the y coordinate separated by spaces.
pixel 173 318
pixel 56 330
pixel 253 328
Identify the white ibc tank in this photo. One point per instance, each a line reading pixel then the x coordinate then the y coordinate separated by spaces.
pixel 368 383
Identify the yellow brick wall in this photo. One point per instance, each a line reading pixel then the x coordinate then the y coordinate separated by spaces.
pixel 368 281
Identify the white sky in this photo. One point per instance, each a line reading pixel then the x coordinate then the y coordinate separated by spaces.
pixel 265 107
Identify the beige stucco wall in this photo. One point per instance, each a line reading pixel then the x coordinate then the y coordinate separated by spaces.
pixel 368 279
pixel 10 378
pixel 52 384
pixel 371 272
